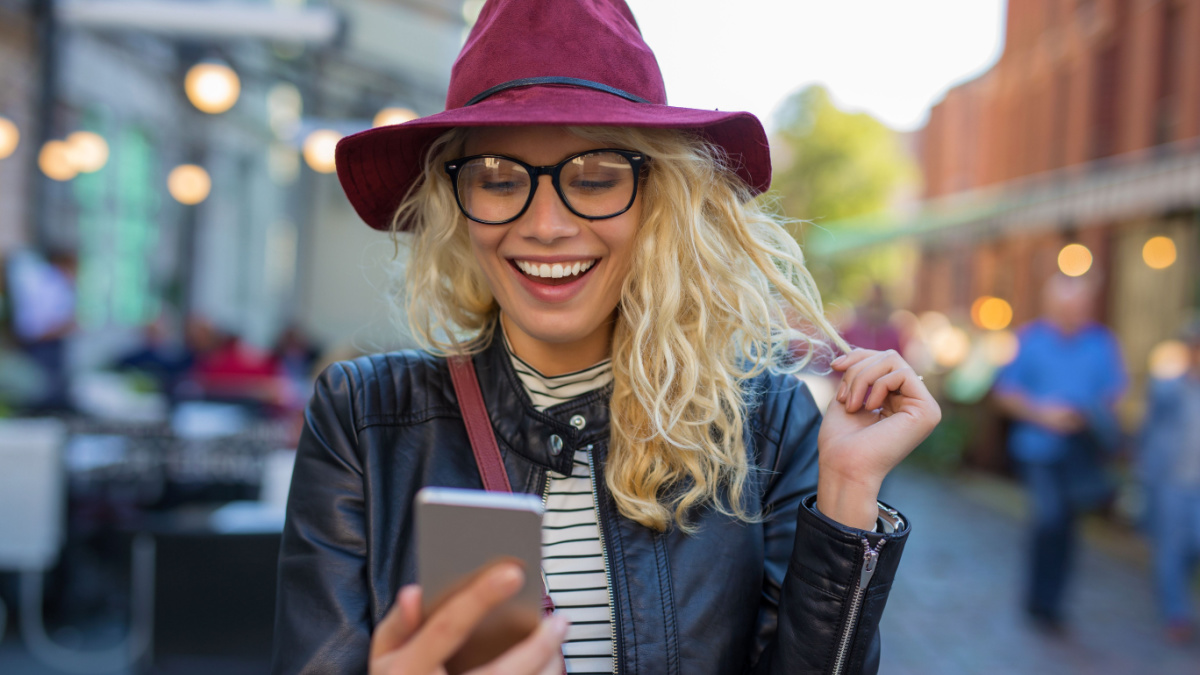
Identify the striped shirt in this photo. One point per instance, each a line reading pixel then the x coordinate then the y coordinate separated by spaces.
pixel 572 554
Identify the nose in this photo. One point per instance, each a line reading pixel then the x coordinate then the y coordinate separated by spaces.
pixel 547 217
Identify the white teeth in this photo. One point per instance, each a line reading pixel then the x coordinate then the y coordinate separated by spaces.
pixel 554 271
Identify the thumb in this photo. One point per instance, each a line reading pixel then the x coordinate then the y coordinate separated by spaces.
pixel 398 625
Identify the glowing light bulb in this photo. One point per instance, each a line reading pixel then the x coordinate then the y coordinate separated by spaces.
pixel 88 150
pixel 10 137
pixel 991 313
pixel 389 116
pixel 1169 359
pixel 1159 252
pixel 319 149
pixel 1074 260
pixel 54 160
pixel 212 87
pixel 189 184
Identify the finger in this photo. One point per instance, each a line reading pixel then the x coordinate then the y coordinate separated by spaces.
pixel 871 372
pixel 884 386
pixel 448 628
pixel 533 655
pixel 861 375
pixel 400 622
pixel 852 357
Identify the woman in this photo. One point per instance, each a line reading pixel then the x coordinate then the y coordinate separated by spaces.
pixel 624 301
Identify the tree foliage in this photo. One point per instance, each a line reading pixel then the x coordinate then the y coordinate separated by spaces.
pixel 835 164
pixel 835 171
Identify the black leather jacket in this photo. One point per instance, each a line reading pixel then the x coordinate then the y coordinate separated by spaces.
pixel 780 596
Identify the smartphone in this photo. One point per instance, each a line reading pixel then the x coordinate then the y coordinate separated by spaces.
pixel 462 532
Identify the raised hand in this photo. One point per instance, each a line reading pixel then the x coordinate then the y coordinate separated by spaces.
pixel 882 410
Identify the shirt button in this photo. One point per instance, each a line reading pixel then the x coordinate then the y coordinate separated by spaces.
pixel 578 422
pixel 556 444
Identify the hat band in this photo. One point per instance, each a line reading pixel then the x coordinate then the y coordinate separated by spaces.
pixel 572 81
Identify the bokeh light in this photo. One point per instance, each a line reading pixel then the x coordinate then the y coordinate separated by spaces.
pixel 283 164
pixel 212 87
pixel 999 347
pixel 54 160
pixel 950 346
pixel 1169 359
pixel 319 150
pixel 1159 252
pixel 991 313
pixel 285 106
pixel 389 116
pixel 931 322
pixel 88 151
pixel 1074 260
pixel 189 184
pixel 10 137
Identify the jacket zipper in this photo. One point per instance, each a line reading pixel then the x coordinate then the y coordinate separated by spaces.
pixel 870 559
pixel 545 498
pixel 612 614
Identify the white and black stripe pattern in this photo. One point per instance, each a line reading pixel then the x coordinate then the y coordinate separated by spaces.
pixel 572 558
pixel 574 565
pixel 546 391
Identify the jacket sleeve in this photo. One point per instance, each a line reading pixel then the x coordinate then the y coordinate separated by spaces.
pixel 322 613
pixel 831 597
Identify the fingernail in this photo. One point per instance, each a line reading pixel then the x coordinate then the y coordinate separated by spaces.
pixel 507 576
pixel 839 359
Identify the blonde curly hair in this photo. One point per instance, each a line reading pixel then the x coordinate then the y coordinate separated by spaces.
pixel 715 279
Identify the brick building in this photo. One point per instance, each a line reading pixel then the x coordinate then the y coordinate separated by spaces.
pixel 1087 130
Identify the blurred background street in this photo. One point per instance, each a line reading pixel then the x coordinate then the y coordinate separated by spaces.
pixel 1008 193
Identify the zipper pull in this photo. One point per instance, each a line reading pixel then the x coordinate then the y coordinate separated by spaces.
pixel 870 559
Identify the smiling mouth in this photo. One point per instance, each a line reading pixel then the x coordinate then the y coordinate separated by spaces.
pixel 553 274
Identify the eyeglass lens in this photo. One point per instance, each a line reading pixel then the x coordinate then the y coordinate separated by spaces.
pixel 595 185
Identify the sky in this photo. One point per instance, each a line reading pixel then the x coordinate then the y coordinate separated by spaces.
pixel 891 58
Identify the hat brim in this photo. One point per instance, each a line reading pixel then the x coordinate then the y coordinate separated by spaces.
pixel 377 167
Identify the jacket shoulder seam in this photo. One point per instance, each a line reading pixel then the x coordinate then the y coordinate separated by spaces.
pixel 390 420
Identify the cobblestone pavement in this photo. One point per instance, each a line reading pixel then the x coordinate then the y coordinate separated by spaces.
pixel 955 607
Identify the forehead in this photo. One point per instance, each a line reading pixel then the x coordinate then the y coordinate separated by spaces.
pixel 535 145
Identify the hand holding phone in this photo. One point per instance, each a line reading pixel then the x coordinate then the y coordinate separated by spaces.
pixel 407 643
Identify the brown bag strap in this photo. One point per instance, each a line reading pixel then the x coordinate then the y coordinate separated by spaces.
pixel 483 438
pixel 479 426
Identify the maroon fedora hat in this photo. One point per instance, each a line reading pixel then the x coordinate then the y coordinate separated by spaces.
pixel 542 62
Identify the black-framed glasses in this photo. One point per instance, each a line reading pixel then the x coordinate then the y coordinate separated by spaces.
pixel 596 184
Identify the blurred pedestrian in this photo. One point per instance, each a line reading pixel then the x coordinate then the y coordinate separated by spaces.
pixel 1061 391
pixel 872 327
pixel 1169 466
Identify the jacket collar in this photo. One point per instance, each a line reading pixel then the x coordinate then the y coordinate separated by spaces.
pixel 523 429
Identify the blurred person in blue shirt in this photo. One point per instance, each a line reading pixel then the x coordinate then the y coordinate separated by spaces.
pixel 1169 467
pixel 1061 390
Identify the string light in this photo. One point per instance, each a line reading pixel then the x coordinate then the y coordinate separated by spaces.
pixel 991 313
pixel 1074 260
pixel 189 184
pixel 1159 252
pixel 390 116
pixel 212 87
pixel 88 151
pixel 10 137
pixel 319 149
pixel 54 160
